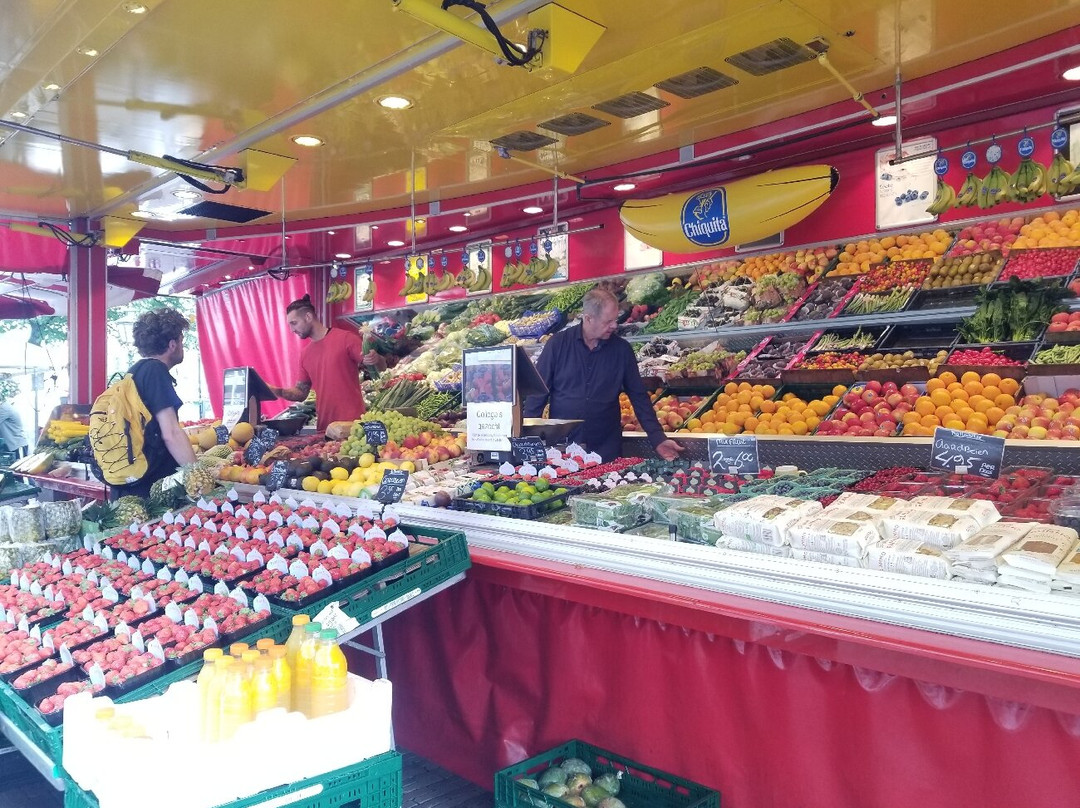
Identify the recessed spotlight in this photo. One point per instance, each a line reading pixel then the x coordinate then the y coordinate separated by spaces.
pixel 374 227
pixel 884 120
pixel 86 51
pixel 395 102
pixel 51 87
pixel 458 228
pixel 342 255
pixel 1072 74
pixel 532 209
pixel 395 243
pixel 250 268
pixel 143 214
pixel 18 114
pixel 307 140
pixel 185 194
pixel 135 8
pixel 625 186
pixel 228 277
pixel 467 214
pixel 330 232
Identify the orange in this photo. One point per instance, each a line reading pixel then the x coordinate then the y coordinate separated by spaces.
pixel 730 388
pixel 944 414
pixel 911 429
pixel 952 388
pixel 799 427
pixel 744 387
pixel 934 384
pixel 750 424
pixel 970 376
pixel 964 413
pixel 978 421
pixel 930 421
pixel 730 429
pixel 768 406
pixel 820 407
pixel 947 378
pixel 812 422
pixel 766 417
pixel 911 417
pixel 991 380
pixel 745 408
pixel 941 398
pixel 1005 401
pixel 743 396
pixel 722 399
pixel 974 401
pixel 984 406
pixel 924 406
pixel 764 429
pixel 974 388
pixel 831 400
pixel 1009 386
pixel 785 430
pixel 953 423
pixel 994 414
pixel 768 391
pixel 959 395
pixel 756 402
pixel 991 392
pixel 738 418
pixel 708 417
pixel 839 390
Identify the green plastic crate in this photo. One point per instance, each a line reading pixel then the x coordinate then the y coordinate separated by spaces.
pixel 642 786
pixel 47 738
pixel 421 571
pixel 372 783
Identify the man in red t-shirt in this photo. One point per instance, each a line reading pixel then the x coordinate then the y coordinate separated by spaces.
pixel 330 363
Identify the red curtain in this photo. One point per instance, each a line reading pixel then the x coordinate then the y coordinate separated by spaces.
pixel 245 325
pixel 486 675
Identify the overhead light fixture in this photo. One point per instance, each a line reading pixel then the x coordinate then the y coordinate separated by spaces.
pixel 135 8
pixel 18 114
pixel 342 255
pixel 395 243
pixel 87 51
pixel 468 214
pixel 394 102
pixel 420 222
pixel 330 232
pixel 374 227
pixel 1072 74
pixel 143 214
pixel 307 140
pixel 884 120
pixel 625 186
pixel 532 209
pixel 51 87
pixel 458 228
pixel 185 194
pixel 228 277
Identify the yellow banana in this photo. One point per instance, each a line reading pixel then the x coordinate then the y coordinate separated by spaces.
pixel 741 211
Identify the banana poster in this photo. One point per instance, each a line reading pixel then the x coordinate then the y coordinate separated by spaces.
pixel 364 288
pixel 738 212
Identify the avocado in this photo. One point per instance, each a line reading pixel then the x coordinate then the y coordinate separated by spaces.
pixel 347 463
pixel 320 475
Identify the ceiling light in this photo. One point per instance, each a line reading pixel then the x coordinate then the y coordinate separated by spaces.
pixel 342 255
pixel 183 193
pixel 395 102
pixel 250 268
pixel 467 214
pixel 52 87
pixel 143 214
pixel 532 209
pixel 1072 74
pixel 374 227
pixel 85 51
pixel 395 243
pixel 330 232
pixel 135 8
pixel 228 277
pixel 458 228
pixel 18 114
pixel 307 140
pixel 625 186
pixel 884 120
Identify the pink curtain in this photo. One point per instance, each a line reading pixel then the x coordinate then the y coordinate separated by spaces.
pixel 245 325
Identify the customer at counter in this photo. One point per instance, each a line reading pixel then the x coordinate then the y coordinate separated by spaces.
pixel 585 368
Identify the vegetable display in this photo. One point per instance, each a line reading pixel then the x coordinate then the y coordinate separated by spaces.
pixel 1016 312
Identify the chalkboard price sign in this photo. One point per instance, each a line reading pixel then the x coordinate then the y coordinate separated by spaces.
pixel 529 450
pixel 737 454
pixel 375 432
pixel 392 486
pixel 959 452
pixel 276 478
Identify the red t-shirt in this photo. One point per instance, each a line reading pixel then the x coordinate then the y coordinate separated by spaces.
pixel 331 366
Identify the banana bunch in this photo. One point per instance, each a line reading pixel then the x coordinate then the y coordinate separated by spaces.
pixel 339 292
pixel 1061 178
pixel 968 194
pixel 62 431
pixel 413 286
pixel 434 285
pixel 1028 182
pixel 944 198
pixel 369 295
pixel 472 281
pixel 538 270
pixel 995 188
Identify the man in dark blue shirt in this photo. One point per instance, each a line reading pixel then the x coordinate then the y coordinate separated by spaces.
pixel 585 368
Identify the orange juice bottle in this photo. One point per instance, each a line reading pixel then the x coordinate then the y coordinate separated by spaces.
pixel 329 676
pixel 263 687
pixel 282 676
pixel 264 645
pixel 237 649
pixel 305 657
pixel 292 645
pixel 208 708
pixel 235 699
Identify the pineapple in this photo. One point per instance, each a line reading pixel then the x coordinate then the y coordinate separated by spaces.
pixel 130 509
pixel 198 480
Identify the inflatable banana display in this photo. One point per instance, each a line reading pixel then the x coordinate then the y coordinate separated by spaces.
pixel 725 215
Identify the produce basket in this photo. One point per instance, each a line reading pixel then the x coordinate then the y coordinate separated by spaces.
pixel 1019 351
pixel 955 297
pixel 899 375
pixel 531 512
pixel 863 304
pixel 1069 354
pixel 824 298
pixel 1060 262
pixel 822 342
pixel 987 265
pixel 534 324
pixel 911 337
pixel 371 783
pixel 1061 337
pixel 640 785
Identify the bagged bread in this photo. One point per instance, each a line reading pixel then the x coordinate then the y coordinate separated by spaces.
pixel 1042 549
pixel 940 529
pixel 764 519
pixel 821 533
pixel 908 556
pixel 747 546
pixel 853 514
pixel 1041 587
pixel 982 511
pixel 825 558
pixel 867 502
pixel 1068 571
pixel 982 548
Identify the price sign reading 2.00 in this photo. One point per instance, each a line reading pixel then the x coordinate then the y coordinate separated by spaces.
pixel 959 452
pixel 737 454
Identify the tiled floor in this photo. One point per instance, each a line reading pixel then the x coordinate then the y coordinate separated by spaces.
pixel 425 785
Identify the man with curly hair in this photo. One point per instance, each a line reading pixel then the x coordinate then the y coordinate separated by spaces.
pixel 159 337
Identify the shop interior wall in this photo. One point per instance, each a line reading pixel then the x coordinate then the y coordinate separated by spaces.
pixel 847 214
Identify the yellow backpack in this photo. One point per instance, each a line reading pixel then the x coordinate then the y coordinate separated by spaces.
pixel 118 423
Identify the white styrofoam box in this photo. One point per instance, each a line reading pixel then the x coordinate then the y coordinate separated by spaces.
pixel 278 747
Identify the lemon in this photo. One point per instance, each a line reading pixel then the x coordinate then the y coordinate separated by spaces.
pixel 357 475
pixel 338 473
pixel 365 460
pixel 353 490
pixel 408 466
pixel 310 483
pixel 325 487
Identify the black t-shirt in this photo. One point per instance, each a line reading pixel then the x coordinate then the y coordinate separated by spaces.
pixel 156 389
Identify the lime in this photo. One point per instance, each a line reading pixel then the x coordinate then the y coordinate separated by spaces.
pixel 542 484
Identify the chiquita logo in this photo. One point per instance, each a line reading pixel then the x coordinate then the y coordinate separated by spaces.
pixel 705 218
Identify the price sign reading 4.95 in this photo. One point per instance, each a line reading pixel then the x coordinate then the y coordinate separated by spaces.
pixel 959 452
pixel 375 432
pixel 737 454
pixel 392 486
